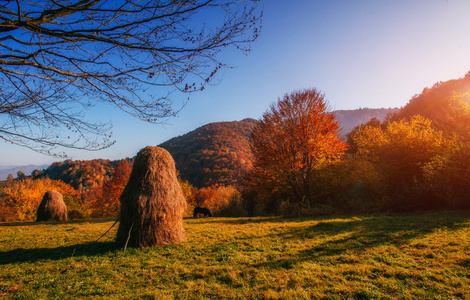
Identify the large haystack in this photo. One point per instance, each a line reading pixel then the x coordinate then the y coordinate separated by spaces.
pixel 152 203
pixel 52 208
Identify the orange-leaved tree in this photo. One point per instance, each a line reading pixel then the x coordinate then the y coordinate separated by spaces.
pixel 295 138
pixel 105 198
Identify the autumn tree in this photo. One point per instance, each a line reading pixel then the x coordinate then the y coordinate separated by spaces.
pixel 297 136
pixel 401 152
pixel 59 58
pixel 352 147
pixel 105 198
pixel 456 118
pixel 220 200
pixel 202 196
pixel 449 176
pixel 20 175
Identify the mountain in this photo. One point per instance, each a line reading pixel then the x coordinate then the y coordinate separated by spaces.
pixel 220 153
pixel 27 170
pixel 349 119
pixel 214 154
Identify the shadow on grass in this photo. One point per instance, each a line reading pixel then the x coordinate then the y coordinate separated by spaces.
pixel 37 254
pixel 53 223
pixel 257 220
pixel 238 220
pixel 358 235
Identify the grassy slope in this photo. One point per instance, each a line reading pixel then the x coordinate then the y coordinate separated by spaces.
pixel 423 256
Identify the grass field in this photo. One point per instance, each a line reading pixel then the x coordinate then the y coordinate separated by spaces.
pixel 399 256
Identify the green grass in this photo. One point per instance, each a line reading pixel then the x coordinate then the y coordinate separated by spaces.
pixel 402 256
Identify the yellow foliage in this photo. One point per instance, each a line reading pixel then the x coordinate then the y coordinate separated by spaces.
pixel 26 195
pixel 402 154
pixel 403 148
pixel 186 188
pixel 216 198
pixel 221 197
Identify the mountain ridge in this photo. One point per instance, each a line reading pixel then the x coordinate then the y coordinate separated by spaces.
pixel 13 170
pixel 218 153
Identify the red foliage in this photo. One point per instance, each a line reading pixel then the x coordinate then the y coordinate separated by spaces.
pixel 295 138
pixel 104 199
pixel 200 196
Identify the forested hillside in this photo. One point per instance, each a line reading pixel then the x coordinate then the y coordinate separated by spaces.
pixel 219 153
pixel 441 103
pixel 408 162
pixel 213 158
pixel 214 154
pixel 80 174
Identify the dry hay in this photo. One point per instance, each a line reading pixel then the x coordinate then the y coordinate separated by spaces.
pixel 152 203
pixel 52 207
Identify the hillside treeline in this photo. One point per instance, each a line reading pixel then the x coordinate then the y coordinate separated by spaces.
pixel 91 188
pixel 418 158
pixel 217 154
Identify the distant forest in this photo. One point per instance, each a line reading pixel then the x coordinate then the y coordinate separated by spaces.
pixel 415 157
pixel 220 153
pixel 214 154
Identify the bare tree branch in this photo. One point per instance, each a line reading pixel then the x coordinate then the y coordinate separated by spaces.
pixel 59 58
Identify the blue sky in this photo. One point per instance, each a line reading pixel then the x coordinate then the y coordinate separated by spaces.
pixel 361 53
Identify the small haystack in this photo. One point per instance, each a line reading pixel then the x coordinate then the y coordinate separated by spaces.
pixel 52 208
pixel 152 203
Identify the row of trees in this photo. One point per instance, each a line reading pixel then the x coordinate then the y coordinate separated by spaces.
pixel 406 162
pixel 20 198
pixel 301 166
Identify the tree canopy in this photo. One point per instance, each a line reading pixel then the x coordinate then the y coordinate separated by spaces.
pixel 402 152
pixel 297 136
pixel 59 58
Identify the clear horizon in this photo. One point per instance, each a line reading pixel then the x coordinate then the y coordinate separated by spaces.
pixel 374 54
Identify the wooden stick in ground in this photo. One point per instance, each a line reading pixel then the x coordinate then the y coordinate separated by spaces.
pixel 128 237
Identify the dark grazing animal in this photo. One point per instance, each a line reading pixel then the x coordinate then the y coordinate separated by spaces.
pixel 201 210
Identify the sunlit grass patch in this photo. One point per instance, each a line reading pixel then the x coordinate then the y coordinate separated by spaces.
pixel 423 255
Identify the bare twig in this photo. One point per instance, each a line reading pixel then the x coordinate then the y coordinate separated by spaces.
pixel 59 58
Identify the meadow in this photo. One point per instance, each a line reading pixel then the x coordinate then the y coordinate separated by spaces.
pixel 385 256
